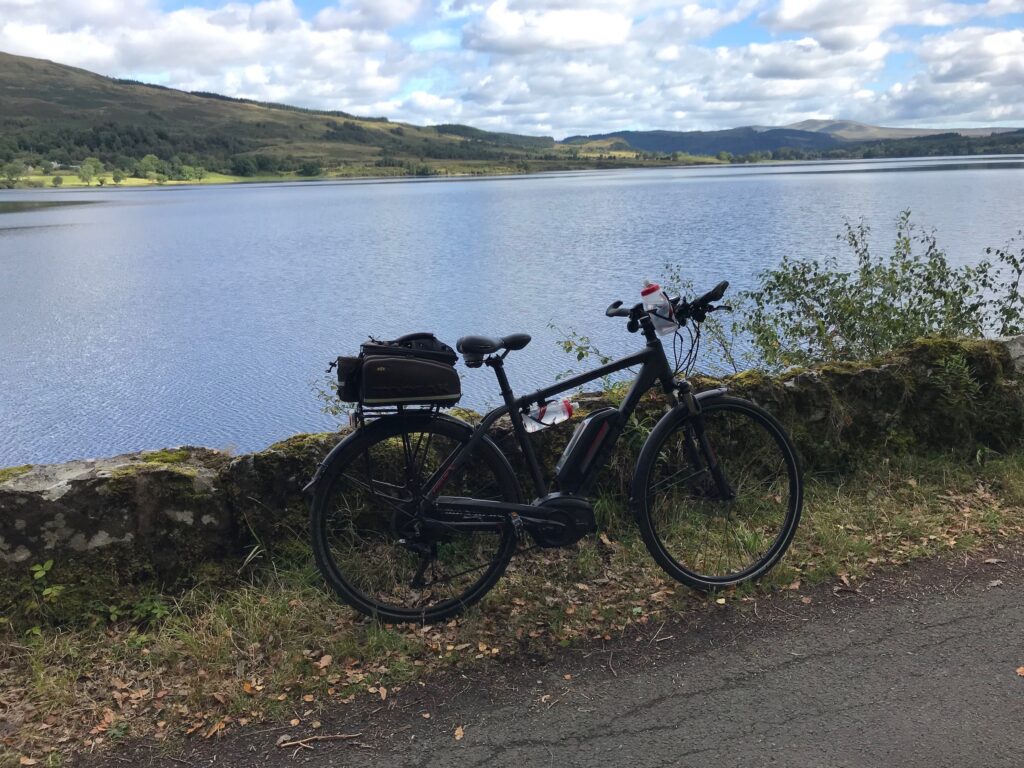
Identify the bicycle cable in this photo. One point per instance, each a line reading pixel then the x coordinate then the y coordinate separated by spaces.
pixel 684 363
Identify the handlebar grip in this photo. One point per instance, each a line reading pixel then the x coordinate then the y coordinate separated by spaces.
pixel 714 294
pixel 615 309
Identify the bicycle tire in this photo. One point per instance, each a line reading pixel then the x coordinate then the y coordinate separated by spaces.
pixel 685 516
pixel 342 491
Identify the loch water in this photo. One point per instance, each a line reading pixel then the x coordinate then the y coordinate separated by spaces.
pixel 146 318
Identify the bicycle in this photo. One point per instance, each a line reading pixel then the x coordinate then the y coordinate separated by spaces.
pixel 416 514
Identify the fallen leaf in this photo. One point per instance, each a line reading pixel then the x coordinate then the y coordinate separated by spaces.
pixel 27 761
pixel 1020 671
pixel 996 583
pixel 806 600
pixel 383 693
pixel 795 585
pixel 426 715
pixel 218 726
pixel 284 737
pixel 247 687
pixel 294 721
pixel 720 601
pixel 308 697
pixel 325 661
pixel 994 561
pixel 459 733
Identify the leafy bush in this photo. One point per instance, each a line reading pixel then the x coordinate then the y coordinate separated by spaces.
pixel 806 311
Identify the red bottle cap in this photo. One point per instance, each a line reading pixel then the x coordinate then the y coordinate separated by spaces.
pixel 648 290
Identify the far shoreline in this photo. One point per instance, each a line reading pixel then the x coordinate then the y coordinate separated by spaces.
pixel 1007 159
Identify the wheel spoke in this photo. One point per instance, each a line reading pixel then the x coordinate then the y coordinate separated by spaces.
pixel 702 536
pixel 375 553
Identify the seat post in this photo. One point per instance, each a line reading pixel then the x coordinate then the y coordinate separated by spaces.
pixel 536 474
pixel 499 370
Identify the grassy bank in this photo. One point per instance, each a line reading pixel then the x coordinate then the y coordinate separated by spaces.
pixel 271 645
pixel 429 168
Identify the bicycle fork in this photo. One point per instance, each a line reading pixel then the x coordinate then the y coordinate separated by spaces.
pixel 699 451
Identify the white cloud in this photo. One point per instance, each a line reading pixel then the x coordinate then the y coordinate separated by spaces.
pixel 507 29
pixel 377 14
pixel 973 74
pixel 849 23
pixel 555 66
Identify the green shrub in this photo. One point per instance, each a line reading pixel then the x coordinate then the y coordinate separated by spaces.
pixel 805 311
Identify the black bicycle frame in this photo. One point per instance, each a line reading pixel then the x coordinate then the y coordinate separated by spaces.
pixel 654 367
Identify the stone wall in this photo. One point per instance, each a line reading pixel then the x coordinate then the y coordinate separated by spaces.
pixel 162 515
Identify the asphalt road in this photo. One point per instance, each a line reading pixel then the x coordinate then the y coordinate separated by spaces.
pixel 926 681
pixel 918 669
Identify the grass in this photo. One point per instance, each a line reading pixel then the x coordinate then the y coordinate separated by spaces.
pixel 275 645
pixel 166 456
pixel 71 181
pixel 350 168
pixel 9 473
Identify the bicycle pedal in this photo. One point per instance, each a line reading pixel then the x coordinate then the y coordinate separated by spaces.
pixel 517 526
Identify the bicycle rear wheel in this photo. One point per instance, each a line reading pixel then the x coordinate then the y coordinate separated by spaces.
pixel 710 533
pixel 367 540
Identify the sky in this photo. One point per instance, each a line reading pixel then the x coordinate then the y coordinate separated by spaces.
pixel 560 67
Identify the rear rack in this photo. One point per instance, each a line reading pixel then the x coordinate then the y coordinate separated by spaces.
pixel 362 414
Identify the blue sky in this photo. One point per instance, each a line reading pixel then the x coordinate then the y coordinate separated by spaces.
pixel 560 67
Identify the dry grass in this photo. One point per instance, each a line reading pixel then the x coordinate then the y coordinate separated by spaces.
pixel 277 647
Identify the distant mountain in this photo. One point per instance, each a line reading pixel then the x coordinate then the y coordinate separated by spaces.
pixel 812 139
pixel 854 131
pixel 736 141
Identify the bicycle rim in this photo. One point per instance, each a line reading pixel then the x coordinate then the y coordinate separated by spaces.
pixel 707 538
pixel 366 538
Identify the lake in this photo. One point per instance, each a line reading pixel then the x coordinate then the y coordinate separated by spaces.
pixel 205 315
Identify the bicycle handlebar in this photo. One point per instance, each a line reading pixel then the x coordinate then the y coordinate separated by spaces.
pixel 713 295
pixel 615 309
pixel 698 309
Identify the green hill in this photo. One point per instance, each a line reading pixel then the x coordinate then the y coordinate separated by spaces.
pixel 854 131
pixel 60 114
pixel 54 119
pixel 735 141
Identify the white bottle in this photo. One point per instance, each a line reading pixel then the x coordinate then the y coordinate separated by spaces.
pixel 542 416
pixel 659 307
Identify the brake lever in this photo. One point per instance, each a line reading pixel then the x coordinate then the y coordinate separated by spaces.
pixel 611 311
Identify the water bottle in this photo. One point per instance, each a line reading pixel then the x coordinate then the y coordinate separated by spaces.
pixel 659 307
pixel 542 416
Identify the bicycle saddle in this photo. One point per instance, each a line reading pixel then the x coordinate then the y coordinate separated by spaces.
pixel 485 345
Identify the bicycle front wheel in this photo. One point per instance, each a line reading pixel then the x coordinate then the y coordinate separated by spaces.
pixel 708 529
pixel 368 542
